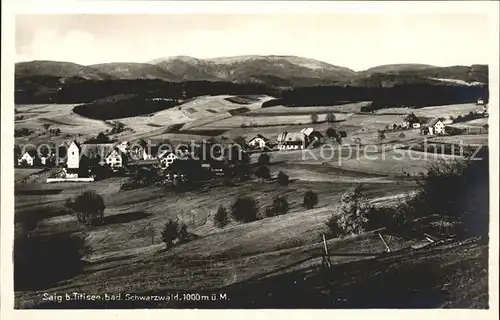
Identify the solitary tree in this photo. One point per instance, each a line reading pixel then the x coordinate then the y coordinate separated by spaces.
pixel 310 199
pixel 240 141
pixel 88 206
pixel 221 219
pixel 264 158
pixel 169 232
pixel 244 209
pixel 331 132
pixel 182 232
pixel 353 215
pixel 278 207
pixel 263 173
pixel 381 135
pixel 402 135
pixel 357 141
pixel 314 118
pixel 283 178
pixel 330 117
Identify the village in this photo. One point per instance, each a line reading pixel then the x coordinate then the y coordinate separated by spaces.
pixel 98 158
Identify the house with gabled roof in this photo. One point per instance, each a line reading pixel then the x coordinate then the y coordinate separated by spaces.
pixel 29 158
pixel 258 142
pixel 434 127
pixel 306 138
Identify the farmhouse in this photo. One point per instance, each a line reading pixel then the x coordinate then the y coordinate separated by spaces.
pixel 167 159
pixel 29 158
pixel 411 121
pixel 258 142
pixel 116 158
pixel 307 137
pixel 434 127
pixel 291 141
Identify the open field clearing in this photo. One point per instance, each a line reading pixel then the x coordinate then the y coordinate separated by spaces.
pixel 453 110
pixel 220 256
pixel 282 110
pixel 472 139
pixel 22 173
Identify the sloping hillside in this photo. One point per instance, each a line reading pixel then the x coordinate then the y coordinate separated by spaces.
pixel 58 69
pixel 134 71
pixel 395 68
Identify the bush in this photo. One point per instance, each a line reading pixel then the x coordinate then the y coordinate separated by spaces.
pixel 402 135
pixel 283 178
pixel 263 159
pixel 314 118
pixel 244 209
pixel 330 117
pixel 182 233
pixel 88 206
pixel 353 214
pixel 170 232
pixel 331 132
pixel 278 207
pixel 263 173
pixel 42 261
pixel 221 219
pixel 310 199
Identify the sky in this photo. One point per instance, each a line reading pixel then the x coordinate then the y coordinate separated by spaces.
pixel 357 41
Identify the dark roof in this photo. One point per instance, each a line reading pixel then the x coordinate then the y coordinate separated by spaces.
pixel 32 152
pixel 432 122
pixel 260 136
pixel 99 150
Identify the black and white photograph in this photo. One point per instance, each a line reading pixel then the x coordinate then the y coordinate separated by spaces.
pixel 326 160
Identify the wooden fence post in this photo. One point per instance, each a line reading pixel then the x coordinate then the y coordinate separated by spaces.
pixel 385 243
pixel 326 258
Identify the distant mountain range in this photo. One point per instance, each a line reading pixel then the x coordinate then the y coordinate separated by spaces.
pixel 276 71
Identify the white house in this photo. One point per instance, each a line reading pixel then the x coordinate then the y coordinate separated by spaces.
pixel 480 102
pixel 29 157
pixel 291 141
pixel 114 159
pixel 435 127
pixel 259 142
pixel 167 159
pixel 307 137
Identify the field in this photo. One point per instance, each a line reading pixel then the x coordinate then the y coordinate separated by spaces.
pixel 127 250
pixel 453 110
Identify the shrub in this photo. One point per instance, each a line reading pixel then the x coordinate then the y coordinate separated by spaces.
pixel 263 173
pixel 88 206
pixel 330 117
pixel 244 209
pixel 283 178
pixel 314 118
pixel 310 199
pixel 381 135
pixel 331 132
pixel 278 207
pixel 42 261
pixel 170 232
pixel 182 233
pixel 402 135
pixel 353 214
pixel 263 159
pixel 221 219
pixel 240 141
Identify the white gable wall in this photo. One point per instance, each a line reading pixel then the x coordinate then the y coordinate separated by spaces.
pixel 73 161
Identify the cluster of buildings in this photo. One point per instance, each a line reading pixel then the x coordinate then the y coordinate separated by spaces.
pixel 432 127
pixel 305 138
pixel 77 158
